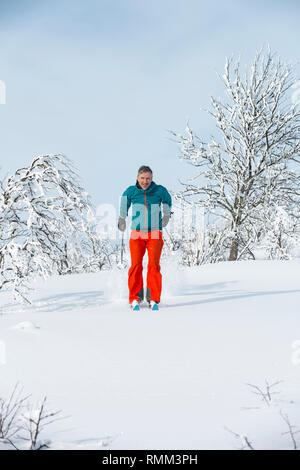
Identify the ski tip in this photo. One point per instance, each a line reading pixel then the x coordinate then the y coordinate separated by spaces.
pixel 135 305
pixel 153 305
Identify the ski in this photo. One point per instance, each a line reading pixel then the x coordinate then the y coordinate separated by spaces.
pixel 135 305
pixel 153 305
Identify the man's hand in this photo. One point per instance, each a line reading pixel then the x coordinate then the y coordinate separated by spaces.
pixel 122 224
pixel 165 220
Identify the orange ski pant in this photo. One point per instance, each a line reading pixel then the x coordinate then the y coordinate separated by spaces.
pixel 138 243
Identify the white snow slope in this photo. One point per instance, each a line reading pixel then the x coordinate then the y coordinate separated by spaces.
pixel 173 379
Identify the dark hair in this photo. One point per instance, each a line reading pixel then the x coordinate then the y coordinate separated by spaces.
pixel 144 169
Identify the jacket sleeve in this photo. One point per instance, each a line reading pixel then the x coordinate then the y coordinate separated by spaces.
pixel 166 202
pixel 125 203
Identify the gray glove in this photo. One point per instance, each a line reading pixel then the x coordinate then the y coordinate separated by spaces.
pixel 122 224
pixel 165 220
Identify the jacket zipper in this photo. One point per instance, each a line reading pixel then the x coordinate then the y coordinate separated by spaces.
pixel 146 209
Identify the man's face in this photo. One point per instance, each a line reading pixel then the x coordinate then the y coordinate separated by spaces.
pixel 144 179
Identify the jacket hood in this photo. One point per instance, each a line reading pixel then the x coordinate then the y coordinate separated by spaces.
pixel 148 190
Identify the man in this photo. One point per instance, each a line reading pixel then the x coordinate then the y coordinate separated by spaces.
pixel 146 198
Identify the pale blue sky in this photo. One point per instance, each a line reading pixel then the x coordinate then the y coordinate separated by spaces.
pixel 103 80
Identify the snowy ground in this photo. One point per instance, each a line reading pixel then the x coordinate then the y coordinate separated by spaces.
pixel 173 379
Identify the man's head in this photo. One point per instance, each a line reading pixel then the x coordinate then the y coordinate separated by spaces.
pixel 144 176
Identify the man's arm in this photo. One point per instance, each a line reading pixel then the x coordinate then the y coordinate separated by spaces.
pixel 125 203
pixel 167 205
pixel 124 207
pixel 166 202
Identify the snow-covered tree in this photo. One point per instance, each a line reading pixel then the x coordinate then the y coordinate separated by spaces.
pixel 44 213
pixel 279 234
pixel 189 233
pixel 92 252
pixel 255 160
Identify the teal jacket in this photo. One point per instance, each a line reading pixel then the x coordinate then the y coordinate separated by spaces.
pixel 146 206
